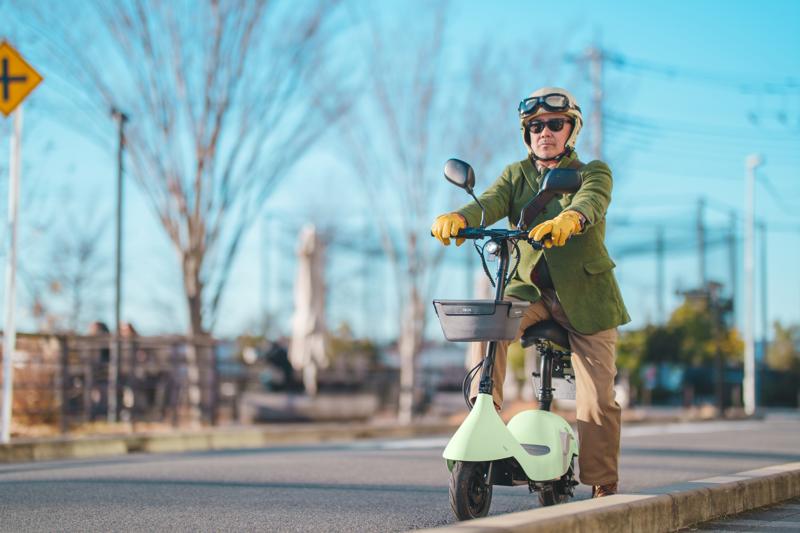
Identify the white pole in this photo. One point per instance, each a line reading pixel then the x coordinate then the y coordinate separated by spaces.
pixel 10 327
pixel 749 384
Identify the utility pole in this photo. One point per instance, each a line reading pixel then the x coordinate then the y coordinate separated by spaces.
pixel 732 258
pixel 596 58
pixel 749 385
pixel 273 260
pixel 366 283
pixel 717 307
pixel 763 289
pixel 116 348
pixel 263 272
pixel 701 242
pixel 660 274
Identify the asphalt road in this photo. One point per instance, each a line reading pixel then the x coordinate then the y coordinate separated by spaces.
pixel 362 486
pixel 781 518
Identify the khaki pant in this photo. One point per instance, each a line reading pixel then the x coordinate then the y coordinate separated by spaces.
pixel 598 414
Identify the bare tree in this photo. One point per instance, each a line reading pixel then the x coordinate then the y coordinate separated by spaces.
pixel 68 290
pixel 419 109
pixel 36 215
pixel 224 97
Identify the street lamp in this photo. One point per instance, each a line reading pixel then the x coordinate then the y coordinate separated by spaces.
pixel 749 385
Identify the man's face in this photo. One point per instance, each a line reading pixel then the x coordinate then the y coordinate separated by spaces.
pixel 548 143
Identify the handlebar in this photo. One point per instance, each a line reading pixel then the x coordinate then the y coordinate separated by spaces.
pixel 480 233
pixel 502 234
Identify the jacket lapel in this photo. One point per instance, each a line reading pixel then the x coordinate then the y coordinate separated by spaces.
pixel 532 176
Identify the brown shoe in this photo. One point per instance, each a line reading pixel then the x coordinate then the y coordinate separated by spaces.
pixel 598 491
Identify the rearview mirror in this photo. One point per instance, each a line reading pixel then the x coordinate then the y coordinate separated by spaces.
pixel 562 181
pixel 460 173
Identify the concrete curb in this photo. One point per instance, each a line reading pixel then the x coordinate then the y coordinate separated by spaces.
pixel 664 509
pixel 213 439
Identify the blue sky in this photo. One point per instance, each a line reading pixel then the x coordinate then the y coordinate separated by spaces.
pixel 670 139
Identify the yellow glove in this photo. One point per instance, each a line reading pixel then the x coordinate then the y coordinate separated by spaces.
pixel 448 225
pixel 557 230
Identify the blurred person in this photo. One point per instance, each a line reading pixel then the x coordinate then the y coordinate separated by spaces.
pixel 97 376
pixel 570 280
pixel 127 331
pixel 98 327
pixel 132 374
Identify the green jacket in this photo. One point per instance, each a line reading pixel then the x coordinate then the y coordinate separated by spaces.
pixel 581 270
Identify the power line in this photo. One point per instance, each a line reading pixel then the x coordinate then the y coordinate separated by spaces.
pixel 618 61
pixel 651 124
pixel 791 210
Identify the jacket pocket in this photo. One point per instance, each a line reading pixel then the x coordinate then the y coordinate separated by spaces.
pixel 599 265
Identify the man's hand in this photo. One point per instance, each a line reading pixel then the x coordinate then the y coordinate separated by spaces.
pixel 557 230
pixel 448 225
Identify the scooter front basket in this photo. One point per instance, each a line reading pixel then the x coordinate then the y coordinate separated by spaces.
pixel 479 320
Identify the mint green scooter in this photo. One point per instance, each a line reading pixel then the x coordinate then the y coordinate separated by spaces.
pixel 537 448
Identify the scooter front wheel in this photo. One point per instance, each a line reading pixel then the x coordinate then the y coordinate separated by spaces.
pixel 470 491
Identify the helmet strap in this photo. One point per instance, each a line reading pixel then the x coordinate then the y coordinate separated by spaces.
pixel 559 157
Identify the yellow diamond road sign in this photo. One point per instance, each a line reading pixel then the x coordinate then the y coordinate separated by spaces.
pixel 17 78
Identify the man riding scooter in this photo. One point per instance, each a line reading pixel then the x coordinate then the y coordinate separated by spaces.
pixel 570 281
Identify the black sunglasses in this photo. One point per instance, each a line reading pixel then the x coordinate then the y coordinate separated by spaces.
pixel 553 124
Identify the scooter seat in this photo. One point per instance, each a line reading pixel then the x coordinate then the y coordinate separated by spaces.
pixel 548 330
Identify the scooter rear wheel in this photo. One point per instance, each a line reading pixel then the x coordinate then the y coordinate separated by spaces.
pixel 549 494
pixel 559 491
pixel 470 491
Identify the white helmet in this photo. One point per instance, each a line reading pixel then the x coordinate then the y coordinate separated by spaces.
pixel 550 100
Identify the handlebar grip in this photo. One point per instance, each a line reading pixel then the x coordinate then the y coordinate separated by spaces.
pixel 467 233
pixel 470 233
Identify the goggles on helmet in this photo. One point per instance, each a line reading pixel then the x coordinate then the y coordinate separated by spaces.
pixel 553 102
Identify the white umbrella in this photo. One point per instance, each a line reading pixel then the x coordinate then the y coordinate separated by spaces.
pixel 307 349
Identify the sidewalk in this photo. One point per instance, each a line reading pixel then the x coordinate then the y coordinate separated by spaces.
pixel 239 437
pixel 218 438
pixel 781 517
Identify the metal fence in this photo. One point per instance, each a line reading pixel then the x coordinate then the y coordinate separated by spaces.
pixel 63 383
pixel 67 381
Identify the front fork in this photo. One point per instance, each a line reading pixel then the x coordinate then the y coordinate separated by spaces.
pixel 486 383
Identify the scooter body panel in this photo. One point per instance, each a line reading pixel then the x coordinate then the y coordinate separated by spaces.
pixel 483 436
pixel 548 442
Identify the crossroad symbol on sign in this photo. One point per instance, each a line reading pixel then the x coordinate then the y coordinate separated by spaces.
pixel 17 78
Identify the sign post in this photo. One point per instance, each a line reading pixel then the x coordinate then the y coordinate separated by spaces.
pixel 17 80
